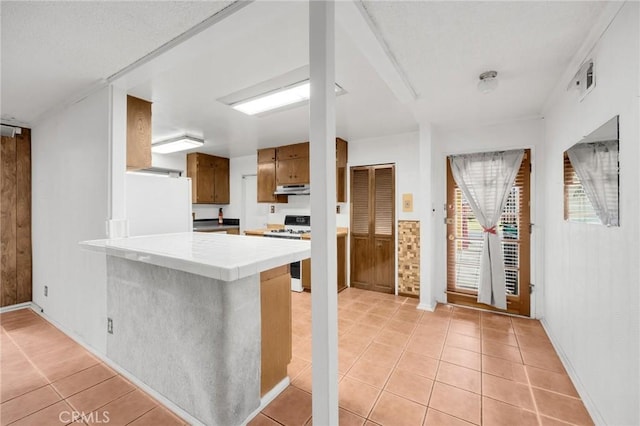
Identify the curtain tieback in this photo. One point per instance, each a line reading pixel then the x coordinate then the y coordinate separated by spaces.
pixel 491 230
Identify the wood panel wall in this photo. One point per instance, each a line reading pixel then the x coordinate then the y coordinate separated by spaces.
pixel 15 219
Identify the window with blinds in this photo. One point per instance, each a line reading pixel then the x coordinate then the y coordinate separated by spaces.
pixel 465 239
pixel 577 207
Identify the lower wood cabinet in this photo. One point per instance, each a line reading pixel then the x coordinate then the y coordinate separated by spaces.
pixel 341 263
pixel 275 306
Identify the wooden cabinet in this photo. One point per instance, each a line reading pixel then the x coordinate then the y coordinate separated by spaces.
pixel 209 178
pixel 292 172
pixel 292 164
pixel 275 312
pixel 341 170
pixel 267 177
pixel 341 266
pixel 289 165
pixel 288 152
pixel 138 134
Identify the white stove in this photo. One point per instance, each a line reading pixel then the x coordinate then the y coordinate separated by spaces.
pixel 294 227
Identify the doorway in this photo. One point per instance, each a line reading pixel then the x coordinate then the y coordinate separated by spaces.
pixel 254 214
pixel 373 227
pixel 465 239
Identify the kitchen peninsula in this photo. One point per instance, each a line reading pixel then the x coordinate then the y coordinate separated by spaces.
pixel 202 318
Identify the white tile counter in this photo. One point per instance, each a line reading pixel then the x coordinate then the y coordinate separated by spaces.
pixel 219 256
pixel 186 315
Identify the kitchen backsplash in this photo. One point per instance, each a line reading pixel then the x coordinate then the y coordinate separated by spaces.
pixel 301 205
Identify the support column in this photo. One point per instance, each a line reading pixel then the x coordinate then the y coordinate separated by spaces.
pixel 117 225
pixel 322 137
pixel 427 213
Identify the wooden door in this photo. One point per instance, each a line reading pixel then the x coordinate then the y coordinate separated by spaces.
pixel 372 228
pixel 15 219
pixel 464 242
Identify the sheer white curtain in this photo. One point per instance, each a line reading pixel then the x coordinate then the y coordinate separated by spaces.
pixel 596 165
pixel 486 180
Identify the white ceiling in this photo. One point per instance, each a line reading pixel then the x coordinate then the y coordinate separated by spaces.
pixel 260 42
pixel 443 46
pixel 51 51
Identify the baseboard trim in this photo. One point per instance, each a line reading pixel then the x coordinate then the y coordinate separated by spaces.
pixel 427 307
pixel 582 391
pixel 171 406
pixel 15 307
pixel 267 398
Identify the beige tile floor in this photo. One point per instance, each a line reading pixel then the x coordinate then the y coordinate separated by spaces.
pixel 455 366
pixel 45 377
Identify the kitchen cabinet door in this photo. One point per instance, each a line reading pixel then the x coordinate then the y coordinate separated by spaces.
pixel 267 155
pixel 204 181
pixel 138 134
pixel 267 184
pixel 209 178
pixel 221 180
pixel 291 172
pixel 288 152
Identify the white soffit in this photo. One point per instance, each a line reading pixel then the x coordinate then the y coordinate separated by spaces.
pixel 54 50
pixel 442 47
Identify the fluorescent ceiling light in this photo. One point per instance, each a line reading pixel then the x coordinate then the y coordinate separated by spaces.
pixel 285 96
pixel 180 143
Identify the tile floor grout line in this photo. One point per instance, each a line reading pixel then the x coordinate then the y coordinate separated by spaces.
pixel 148 411
pixel 49 383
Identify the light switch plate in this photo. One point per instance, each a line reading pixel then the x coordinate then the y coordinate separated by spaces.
pixel 407 202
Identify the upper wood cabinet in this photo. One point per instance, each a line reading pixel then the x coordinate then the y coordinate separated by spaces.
pixel 292 164
pixel 138 134
pixel 209 178
pixel 342 150
pixel 289 165
pixel 267 177
pixel 288 152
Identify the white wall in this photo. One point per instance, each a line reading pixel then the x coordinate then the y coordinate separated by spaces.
pixel 70 204
pixel 401 150
pixel 519 134
pixel 176 161
pixel 591 295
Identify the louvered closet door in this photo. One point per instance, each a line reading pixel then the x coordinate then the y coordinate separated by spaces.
pixel 372 228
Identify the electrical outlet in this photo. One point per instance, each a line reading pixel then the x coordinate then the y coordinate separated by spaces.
pixel 272 209
pixel 109 326
pixel 338 209
pixel 46 291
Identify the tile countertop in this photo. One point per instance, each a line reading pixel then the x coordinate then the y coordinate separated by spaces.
pixel 214 255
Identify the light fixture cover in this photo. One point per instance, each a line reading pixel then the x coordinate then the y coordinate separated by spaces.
pixel 180 143
pixel 285 96
pixel 488 81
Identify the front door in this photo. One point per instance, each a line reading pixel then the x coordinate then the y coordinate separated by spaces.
pixel 372 227
pixel 464 243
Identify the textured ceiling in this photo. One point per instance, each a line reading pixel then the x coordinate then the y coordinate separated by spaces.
pixel 260 42
pixel 442 47
pixel 53 50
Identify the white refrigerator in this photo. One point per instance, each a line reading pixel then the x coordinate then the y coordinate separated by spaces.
pixel 158 204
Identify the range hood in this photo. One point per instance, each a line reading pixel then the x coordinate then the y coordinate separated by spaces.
pixel 304 189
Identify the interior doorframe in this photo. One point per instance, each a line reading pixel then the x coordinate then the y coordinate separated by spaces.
pixel 535 254
pixel 350 166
